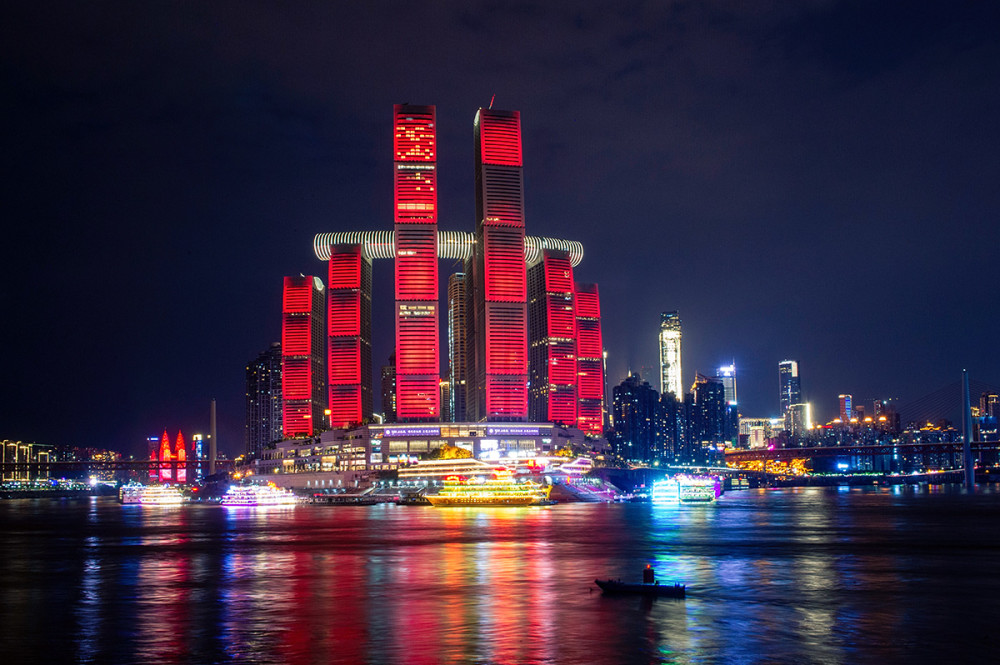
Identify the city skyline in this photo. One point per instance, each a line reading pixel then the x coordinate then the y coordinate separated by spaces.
pixel 813 183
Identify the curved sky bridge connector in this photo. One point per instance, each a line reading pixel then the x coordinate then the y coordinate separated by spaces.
pixel 451 245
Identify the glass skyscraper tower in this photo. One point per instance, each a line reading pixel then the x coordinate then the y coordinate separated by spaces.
pixel 670 355
pixel 789 387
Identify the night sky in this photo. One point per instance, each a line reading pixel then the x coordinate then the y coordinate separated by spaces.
pixel 807 180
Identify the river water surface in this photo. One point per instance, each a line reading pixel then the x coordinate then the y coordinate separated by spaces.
pixel 821 575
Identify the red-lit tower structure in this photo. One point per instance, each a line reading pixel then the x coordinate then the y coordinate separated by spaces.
pixel 180 454
pixel 302 358
pixel 552 327
pixel 589 362
pixel 349 360
pixel 416 256
pixel 166 473
pixel 499 312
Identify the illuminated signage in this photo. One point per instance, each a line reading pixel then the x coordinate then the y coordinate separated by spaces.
pixel 512 431
pixel 413 431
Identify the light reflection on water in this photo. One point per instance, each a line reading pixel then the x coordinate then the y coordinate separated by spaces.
pixel 782 576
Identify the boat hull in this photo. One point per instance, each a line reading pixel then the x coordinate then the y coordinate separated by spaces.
pixel 658 590
pixel 458 501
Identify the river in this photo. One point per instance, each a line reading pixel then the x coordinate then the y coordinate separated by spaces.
pixel 820 575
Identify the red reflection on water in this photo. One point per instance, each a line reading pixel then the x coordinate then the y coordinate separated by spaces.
pixel 163 612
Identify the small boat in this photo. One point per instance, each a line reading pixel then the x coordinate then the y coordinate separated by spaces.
pixel 648 587
pixel 654 589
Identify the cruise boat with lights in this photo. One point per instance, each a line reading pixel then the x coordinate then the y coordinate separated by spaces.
pixel 684 488
pixel 258 495
pixel 150 495
pixel 498 490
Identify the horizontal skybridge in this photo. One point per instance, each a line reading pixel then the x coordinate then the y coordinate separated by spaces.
pixel 450 245
pixel 784 454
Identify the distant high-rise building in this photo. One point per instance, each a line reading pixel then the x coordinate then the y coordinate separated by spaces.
pixel 670 355
pixel 989 405
pixel 727 376
pixel 303 365
pixel 264 403
pixel 416 263
pixel 552 340
pixel 789 385
pixel 846 410
pixel 754 432
pixel 709 417
pixel 798 419
pixel 499 271
pixel 670 428
pixel 458 339
pixel 198 453
pixel 389 389
pixel 444 389
pixel 635 405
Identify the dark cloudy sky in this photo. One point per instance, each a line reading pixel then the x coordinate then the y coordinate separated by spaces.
pixel 809 180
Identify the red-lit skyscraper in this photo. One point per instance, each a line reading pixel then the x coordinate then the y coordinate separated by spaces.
pixel 589 364
pixel 488 324
pixel 416 256
pixel 552 323
pixel 302 356
pixel 500 300
pixel 349 362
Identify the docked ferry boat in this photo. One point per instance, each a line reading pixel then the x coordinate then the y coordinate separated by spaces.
pixel 258 495
pixel 499 489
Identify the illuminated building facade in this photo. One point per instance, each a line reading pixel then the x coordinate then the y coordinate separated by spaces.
pixel 789 385
pixel 498 270
pixel 670 355
pixel 589 361
pixel 19 460
pixel 846 408
pixel 415 188
pixel 180 455
pixel 488 360
pixel 334 458
pixel 303 381
pixel 349 359
pixel 798 419
pixel 173 462
pixel 727 376
pixel 553 369
pixel 264 403
pixel 166 469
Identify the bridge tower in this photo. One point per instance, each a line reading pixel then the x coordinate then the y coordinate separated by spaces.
pixel 970 474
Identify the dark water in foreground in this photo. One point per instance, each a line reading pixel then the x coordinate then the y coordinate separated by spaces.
pixel 794 576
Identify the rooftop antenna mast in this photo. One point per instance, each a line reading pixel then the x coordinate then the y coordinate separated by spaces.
pixel 491 101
